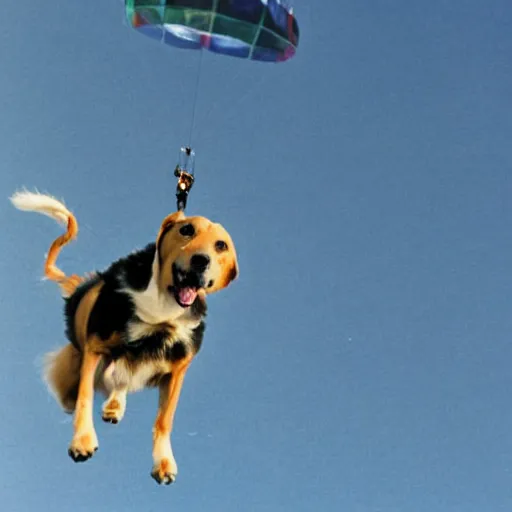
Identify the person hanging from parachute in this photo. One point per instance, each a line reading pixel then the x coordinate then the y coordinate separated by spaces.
pixel 184 171
pixel 258 30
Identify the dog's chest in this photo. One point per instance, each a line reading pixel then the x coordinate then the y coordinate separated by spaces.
pixel 139 332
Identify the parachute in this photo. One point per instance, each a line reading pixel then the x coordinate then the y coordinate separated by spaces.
pixel 260 30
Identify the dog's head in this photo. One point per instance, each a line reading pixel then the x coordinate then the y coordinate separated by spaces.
pixel 195 257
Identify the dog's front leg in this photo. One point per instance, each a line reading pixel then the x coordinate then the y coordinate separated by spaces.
pixel 165 468
pixel 85 441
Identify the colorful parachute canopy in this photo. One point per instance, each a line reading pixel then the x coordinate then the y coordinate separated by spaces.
pixel 262 30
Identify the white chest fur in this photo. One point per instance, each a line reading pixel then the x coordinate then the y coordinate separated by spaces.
pixel 154 307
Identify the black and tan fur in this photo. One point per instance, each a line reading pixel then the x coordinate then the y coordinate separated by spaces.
pixel 137 324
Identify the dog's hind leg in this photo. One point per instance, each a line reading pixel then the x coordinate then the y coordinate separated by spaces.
pixel 165 468
pixel 114 406
pixel 116 390
pixel 85 441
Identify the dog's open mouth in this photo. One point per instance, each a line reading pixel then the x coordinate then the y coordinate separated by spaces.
pixel 185 297
pixel 186 286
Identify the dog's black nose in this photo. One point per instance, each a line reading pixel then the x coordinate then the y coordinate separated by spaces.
pixel 199 262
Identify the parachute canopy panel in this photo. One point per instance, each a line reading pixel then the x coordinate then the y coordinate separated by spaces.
pixel 262 30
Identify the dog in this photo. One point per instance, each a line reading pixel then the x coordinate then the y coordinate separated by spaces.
pixel 136 325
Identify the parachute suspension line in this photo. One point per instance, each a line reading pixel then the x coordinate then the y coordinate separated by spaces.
pixel 201 51
pixel 184 170
pixel 196 90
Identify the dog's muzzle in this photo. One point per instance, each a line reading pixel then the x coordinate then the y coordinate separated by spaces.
pixel 187 283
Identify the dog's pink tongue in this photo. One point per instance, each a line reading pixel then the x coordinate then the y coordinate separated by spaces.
pixel 187 296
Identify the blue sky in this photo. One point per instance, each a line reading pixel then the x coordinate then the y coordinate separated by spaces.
pixel 362 361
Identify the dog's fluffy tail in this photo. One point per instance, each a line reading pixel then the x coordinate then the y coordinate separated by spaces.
pixel 62 375
pixel 48 205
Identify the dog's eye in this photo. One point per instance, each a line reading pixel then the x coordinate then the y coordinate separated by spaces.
pixel 221 246
pixel 187 230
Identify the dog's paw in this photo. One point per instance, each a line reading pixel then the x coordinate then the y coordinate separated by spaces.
pixel 83 446
pixel 165 471
pixel 113 411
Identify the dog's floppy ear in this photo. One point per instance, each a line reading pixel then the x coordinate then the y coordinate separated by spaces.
pixel 233 273
pixel 168 223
